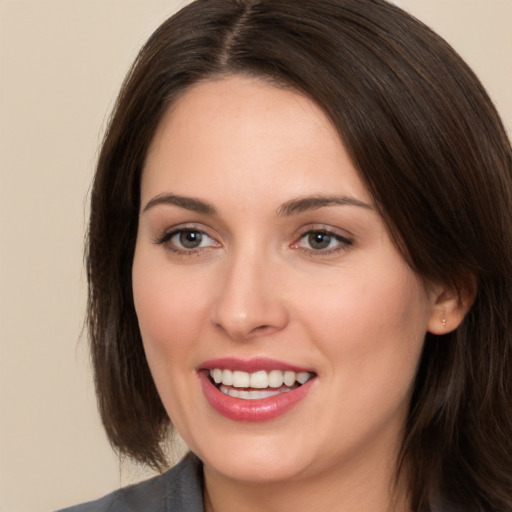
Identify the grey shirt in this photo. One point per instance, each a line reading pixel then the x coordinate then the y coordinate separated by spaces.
pixel 178 490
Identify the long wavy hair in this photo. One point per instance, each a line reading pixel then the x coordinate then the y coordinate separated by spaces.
pixel 431 149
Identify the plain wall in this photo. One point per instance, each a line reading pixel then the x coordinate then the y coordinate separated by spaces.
pixel 61 64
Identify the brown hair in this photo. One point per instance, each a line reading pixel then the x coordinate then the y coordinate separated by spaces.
pixel 429 145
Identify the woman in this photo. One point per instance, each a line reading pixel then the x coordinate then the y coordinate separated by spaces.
pixel 300 254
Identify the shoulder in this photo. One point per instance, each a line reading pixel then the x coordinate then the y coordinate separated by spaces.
pixel 178 490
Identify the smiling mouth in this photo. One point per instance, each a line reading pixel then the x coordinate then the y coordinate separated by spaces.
pixel 257 385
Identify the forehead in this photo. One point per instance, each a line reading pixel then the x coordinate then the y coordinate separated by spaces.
pixel 241 130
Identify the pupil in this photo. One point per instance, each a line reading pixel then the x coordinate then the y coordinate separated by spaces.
pixel 319 240
pixel 190 239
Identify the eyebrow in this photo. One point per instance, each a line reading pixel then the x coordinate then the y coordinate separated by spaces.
pixel 304 204
pixel 292 207
pixel 189 203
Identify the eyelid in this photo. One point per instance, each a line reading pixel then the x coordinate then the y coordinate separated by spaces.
pixel 166 236
pixel 345 241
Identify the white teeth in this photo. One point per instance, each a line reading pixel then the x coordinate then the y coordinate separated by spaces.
pixel 258 380
pixel 241 379
pixel 275 379
pixel 303 377
pixel 289 378
pixel 217 375
pixel 250 395
pixel 227 377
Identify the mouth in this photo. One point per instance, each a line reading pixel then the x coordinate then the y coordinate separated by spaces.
pixel 257 385
pixel 255 390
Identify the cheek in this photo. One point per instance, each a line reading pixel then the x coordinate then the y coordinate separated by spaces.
pixel 372 325
pixel 168 310
pixel 367 304
pixel 170 313
pixel 372 336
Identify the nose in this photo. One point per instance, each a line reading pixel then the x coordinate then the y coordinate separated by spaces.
pixel 250 301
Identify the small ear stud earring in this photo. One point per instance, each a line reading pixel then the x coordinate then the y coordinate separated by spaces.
pixel 444 319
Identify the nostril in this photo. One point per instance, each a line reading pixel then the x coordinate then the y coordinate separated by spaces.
pixel 263 328
pixel 240 332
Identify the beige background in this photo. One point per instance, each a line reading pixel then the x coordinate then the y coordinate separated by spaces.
pixel 61 63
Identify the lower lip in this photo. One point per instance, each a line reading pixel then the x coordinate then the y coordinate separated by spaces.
pixel 263 409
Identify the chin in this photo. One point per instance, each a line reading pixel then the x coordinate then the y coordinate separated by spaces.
pixel 253 461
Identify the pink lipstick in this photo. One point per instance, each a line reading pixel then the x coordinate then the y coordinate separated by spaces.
pixel 253 390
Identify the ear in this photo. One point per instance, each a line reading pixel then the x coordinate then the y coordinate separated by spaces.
pixel 450 305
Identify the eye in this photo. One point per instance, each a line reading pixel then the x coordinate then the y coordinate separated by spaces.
pixel 319 240
pixel 187 240
pixel 322 241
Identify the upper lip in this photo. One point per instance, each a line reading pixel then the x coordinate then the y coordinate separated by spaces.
pixel 251 365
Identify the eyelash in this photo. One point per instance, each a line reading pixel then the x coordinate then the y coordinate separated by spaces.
pixel 166 238
pixel 343 243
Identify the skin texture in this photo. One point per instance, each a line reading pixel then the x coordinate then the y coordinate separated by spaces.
pixel 353 313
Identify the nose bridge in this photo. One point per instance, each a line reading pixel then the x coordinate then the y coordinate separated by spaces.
pixel 249 301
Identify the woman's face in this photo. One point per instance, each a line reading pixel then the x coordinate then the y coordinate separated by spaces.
pixel 260 258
